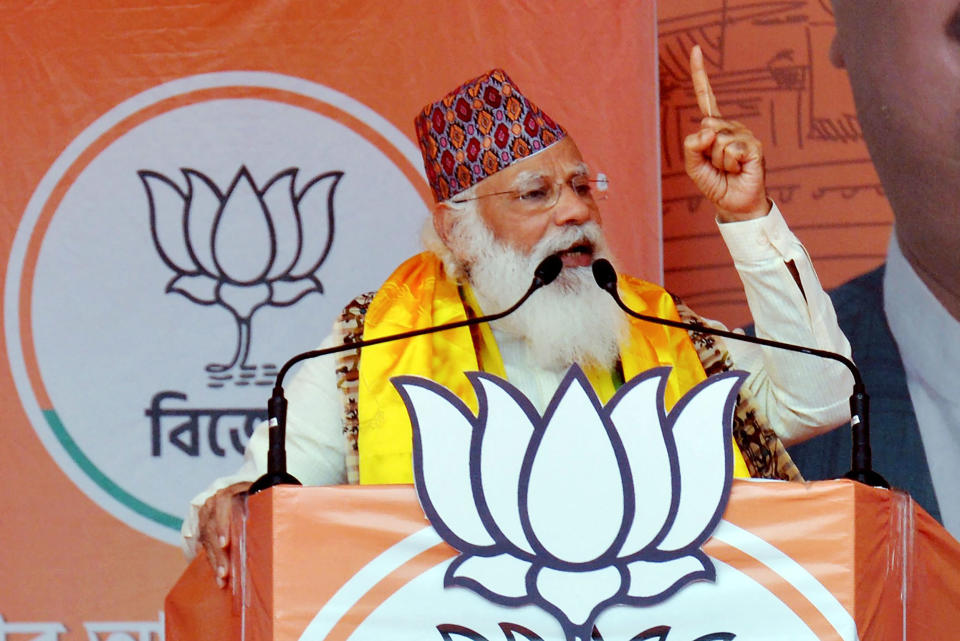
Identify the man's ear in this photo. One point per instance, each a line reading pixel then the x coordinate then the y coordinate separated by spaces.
pixel 836 56
pixel 443 218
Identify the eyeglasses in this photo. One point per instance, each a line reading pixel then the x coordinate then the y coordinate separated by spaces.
pixel 541 195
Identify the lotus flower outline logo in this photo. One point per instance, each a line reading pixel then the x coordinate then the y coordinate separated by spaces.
pixel 581 508
pixel 286 235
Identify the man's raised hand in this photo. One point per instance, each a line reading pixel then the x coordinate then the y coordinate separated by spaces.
pixel 724 159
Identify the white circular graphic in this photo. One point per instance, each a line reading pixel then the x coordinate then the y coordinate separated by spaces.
pixel 736 605
pixel 208 239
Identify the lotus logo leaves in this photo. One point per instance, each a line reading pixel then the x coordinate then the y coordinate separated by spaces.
pixel 583 507
pixel 244 248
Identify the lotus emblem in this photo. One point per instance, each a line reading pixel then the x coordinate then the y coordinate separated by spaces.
pixel 583 507
pixel 243 248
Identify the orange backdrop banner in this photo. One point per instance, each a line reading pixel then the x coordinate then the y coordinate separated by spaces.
pixel 191 192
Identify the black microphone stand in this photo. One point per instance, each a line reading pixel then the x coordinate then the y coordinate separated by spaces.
pixel 545 273
pixel 862 468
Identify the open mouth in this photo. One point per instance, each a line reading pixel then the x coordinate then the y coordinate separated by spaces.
pixel 578 255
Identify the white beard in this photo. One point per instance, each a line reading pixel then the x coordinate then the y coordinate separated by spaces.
pixel 568 321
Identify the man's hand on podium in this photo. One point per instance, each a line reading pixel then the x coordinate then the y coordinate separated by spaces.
pixel 214 526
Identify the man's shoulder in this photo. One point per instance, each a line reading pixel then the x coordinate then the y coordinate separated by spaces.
pixel 863 289
pixel 418 268
pixel 357 308
pixel 640 286
pixel 636 280
pixel 859 306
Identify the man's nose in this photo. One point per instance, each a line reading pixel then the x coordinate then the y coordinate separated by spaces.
pixel 572 208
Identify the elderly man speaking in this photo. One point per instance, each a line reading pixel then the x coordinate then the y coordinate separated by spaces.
pixel 511 188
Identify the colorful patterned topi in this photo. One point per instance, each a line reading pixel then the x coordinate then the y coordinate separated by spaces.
pixel 481 127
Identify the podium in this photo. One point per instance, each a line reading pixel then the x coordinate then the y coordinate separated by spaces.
pixel 830 560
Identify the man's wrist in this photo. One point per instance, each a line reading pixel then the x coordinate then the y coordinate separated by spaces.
pixel 758 240
pixel 724 216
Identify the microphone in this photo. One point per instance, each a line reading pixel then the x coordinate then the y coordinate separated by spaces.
pixel 545 273
pixel 862 468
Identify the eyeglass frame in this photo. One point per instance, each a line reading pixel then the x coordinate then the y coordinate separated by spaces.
pixel 598 179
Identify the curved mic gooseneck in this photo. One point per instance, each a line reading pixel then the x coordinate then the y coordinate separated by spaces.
pixel 862 469
pixel 545 273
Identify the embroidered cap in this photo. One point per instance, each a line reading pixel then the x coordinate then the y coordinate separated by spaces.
pixel 481 127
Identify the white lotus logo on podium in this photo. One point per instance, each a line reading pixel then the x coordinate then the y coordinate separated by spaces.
pixel 584 507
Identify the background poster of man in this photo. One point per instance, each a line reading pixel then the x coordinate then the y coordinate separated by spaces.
pixel 902 60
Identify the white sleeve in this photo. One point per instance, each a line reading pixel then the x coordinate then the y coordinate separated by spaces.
pixel 802 395
pixel 316 444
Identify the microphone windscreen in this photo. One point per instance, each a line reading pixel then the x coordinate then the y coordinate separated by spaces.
pixel 605 275
pixel 548 270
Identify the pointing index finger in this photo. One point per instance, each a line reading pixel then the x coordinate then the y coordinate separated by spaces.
pixel 701 85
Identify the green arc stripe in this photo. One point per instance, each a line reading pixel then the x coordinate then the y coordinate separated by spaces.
pixel 102 480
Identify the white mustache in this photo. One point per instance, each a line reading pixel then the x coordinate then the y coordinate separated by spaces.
pixel 586 234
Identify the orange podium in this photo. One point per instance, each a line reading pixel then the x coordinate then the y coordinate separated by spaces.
pixel 830 560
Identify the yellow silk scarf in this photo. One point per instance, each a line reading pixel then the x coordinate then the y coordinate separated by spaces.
pixel 418 294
